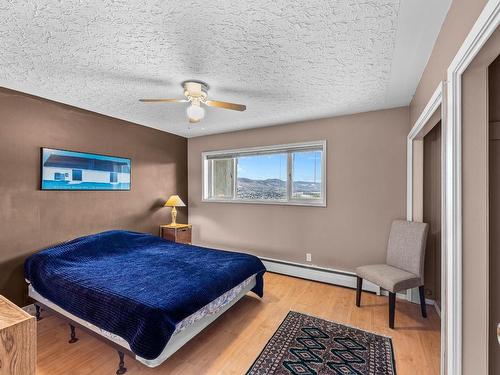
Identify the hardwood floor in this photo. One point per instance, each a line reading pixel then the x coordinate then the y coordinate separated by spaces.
pixel 232 342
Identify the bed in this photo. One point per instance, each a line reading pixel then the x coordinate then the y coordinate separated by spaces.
pixel 145 295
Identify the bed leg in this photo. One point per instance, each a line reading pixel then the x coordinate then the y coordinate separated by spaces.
pixel 37 313
pixel 121 365
pixel 73 337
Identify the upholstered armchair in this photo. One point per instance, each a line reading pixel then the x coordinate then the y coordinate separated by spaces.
pixel 404 267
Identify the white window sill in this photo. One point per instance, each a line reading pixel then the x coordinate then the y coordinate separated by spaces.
pixel 282 203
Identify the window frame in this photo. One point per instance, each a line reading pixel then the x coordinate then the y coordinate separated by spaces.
pixel 286 148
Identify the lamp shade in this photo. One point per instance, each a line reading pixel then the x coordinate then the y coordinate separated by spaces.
pixel 174 201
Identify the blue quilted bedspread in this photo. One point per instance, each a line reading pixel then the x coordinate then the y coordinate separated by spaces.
pixel 136 285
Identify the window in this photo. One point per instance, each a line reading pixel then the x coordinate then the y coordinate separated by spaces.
pixel 306 174
pixel 58 176
pixel 76 174
pixel 286 174
pixel 261 177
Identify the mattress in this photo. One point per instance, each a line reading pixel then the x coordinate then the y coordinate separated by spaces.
pixel 139 287
pixel 184 330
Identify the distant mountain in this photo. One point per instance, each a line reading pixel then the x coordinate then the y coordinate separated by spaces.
pixel 268 182
pixel 306 186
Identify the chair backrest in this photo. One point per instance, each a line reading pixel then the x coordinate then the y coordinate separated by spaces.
pixel 406 247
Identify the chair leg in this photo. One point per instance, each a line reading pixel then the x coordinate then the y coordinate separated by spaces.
pixel 392 308
pixel 359 286
pixel 72 336
pixel 422 301
pixel 121 365
pixel 37 314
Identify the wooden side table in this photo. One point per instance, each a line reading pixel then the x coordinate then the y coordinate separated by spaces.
pixel 17 340
pixel 180 233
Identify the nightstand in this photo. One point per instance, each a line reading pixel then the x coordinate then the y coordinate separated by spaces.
pixel 180 233
pixel 17 339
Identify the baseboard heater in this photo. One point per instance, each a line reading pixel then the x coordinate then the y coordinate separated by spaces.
pixel 325 275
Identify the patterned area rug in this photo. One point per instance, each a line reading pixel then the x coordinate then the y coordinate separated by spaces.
pixel 305 345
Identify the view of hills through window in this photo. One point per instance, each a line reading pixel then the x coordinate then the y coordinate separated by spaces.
pixel 264 177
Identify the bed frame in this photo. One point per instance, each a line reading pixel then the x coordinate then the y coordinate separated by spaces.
pixel 177 340
pixel 39 306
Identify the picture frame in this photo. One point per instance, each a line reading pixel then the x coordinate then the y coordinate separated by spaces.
pixel 74 170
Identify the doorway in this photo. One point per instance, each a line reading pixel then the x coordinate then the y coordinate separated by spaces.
pixel 432 213
pixel 494 232
pixel 425 189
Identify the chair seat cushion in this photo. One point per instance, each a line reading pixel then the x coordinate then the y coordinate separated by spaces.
pixel 388 277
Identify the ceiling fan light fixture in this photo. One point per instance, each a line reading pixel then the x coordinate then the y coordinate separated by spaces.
pixel 195 112
pixel 196 92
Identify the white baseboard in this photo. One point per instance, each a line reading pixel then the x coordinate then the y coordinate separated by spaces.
pixel 325 275
pixel 401 295
pixel 330 276
pixel 438 310
pixel 404 296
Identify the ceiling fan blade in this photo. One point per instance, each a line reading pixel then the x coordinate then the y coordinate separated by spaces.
pixel 163 100
pixel 226 105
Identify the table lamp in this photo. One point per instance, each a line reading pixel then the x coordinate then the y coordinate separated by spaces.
pixel 174 201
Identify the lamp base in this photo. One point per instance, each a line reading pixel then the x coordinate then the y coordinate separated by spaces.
pixel 174 217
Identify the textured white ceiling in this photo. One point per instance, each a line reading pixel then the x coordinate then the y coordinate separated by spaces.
pixel 286 60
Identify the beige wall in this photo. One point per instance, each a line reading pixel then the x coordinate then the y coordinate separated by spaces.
pixel 475 208
pixel 366 178
pixel 31 219
pixel 457 24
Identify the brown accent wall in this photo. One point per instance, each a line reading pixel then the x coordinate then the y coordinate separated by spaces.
pixel 366 190
pixel 458 22
pixel 31 219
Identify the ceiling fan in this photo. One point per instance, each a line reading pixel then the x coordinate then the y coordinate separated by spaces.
pixel 196 92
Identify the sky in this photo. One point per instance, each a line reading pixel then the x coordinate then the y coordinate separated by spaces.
pixel 306 166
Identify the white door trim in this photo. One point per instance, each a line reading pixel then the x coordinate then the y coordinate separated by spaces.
pixel 484 27
pixel 415 131
pixel 432 106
